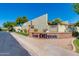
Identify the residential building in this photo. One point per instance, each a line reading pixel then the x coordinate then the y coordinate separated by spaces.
pixel 40 24
pixel 18 28
pixel 39 27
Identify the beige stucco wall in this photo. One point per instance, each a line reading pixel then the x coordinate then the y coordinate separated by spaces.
pixel 58 28
pixel 62 28
pixel 39 23
pixel 53 28
pixel 77 29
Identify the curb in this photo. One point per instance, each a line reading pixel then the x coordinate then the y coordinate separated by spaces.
pixel 74 49
pixel 29 49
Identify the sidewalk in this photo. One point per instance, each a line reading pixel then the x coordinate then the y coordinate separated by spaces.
pixel 41 47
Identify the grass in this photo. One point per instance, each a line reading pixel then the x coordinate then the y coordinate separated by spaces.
pixel 76 43
pixel 4 29
pixel 25 34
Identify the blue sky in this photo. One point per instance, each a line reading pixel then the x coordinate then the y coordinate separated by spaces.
pixel 9 11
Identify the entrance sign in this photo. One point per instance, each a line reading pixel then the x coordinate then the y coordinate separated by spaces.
pixel 51 35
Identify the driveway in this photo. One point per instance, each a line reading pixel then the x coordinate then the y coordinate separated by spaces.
pixel 10 47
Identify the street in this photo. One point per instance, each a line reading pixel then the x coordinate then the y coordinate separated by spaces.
pixel 10 47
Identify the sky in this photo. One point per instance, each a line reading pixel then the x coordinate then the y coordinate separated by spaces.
pixel 64 11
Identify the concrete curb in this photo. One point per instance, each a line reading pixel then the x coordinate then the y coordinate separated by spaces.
pixel 74 49
pixel 28 48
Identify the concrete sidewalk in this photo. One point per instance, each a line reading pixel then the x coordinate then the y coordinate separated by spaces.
pixel 39 47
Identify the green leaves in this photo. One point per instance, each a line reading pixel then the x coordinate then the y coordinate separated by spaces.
pixel 24 18
pixel 8 24
pixel 56 21
pixel 21 20
pixel 77 23
pixel 76 7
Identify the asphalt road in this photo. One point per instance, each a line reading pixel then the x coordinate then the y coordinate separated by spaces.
pixel 10 47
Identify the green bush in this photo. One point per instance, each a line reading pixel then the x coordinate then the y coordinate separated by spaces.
pixel 75 34
pixel 76 43
pixel 25 31
pixel 0 29
pixel 22 33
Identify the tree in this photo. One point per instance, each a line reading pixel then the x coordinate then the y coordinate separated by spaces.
pixel 21 20
pixel 76 7
pixel 5 25
pixel 76 24
pixel 56 21
pixel 24 18
pixel 8 24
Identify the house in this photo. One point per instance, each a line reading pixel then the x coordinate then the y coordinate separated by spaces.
pixel 38 24
pixel 39 27
pixel 77 28
pixel 58 28
pixel 17 28
pixel 41 24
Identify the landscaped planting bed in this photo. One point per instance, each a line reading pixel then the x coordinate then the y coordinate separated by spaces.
pixel 76 43
pixel 25 34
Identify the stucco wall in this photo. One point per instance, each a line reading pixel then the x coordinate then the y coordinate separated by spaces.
pixel 62 28
pixel 77 29
pixel 53 28
pixel 39 23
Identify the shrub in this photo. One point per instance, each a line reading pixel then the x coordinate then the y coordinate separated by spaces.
pixel 0 29
pixel 75 34
pixel 25 31
pixel 35 30
pixel 25 34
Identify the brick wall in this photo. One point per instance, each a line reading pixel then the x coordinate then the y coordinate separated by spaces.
pixel 64 35
pixel 51 35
